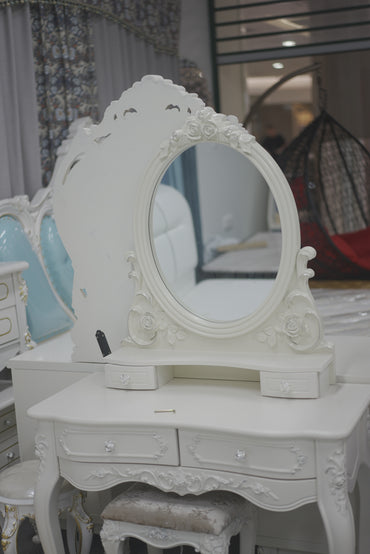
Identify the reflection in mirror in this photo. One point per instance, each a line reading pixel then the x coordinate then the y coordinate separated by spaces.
pixel 210 233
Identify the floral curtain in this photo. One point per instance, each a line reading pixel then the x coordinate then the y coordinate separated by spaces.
pixel 157 22
pixel 65 74
pixel 67 40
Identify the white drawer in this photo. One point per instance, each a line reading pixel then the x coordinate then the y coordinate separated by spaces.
pixel 136 377
pixel 7 297
pixel 136 445
pixel 289 459
pixel 9 451
pixel 8 325
pixel 294 384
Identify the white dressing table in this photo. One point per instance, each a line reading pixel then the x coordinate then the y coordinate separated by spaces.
pixel 190 432
pixel 279 454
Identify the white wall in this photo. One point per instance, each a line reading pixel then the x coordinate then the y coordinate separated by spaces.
pixel 232 193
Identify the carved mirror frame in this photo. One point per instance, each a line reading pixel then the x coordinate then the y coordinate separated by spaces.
pixel 208 126
pixel 286 323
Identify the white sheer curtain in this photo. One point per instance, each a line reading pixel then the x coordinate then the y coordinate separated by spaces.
pixel 20 167
pixel 121 58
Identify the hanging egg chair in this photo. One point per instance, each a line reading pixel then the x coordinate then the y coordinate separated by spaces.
pixel 329 173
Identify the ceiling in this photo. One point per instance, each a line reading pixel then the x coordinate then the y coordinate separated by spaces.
pixel 255 30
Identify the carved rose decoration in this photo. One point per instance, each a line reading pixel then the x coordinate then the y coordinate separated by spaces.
pixel 207 125
pixel 146 320
pixel 293 326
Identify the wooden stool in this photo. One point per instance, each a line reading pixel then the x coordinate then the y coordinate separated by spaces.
pixel 164 520
pixel 17 490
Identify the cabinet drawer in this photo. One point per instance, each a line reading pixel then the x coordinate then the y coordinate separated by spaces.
pixel 8 325
pixel 9 451
pixel 289 458
pixel 7 297
pixel 146 445
pixel 7 425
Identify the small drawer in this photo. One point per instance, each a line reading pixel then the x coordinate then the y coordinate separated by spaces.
pixel 7 297
pixel 147 445
pixel 136 377
pixel 8 325
pixel 9 452
pixel 294 384
pixel 292 459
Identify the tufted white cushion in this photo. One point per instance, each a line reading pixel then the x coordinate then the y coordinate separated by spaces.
pixel 144 505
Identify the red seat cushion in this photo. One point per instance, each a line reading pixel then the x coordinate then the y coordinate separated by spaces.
pixel 355 246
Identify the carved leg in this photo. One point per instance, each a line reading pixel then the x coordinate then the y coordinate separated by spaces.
pixel 10 529
pixel 47 492
pixel 248 536
pixel 332 497
pixel 114 546
pixel 211 544
pixel 79 518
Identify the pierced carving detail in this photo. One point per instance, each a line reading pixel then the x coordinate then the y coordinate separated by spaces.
pixel 41 450
pixel 63 443
pixel 162 444
pixel 301 459
pixel 207 125
pixel 10 526
pixel 146 321
pixel 337 475
pixel 184 482
pixel 299 324
pixel 23 290
pixel 30 345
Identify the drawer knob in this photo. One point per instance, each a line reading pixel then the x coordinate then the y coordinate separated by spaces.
pixel 8 422
pixel 240 455
pixel 125 379
pixel 285 386
pixel 109 446
pixel 10 455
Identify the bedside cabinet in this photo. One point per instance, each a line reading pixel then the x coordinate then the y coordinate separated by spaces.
pixel 14 334
pixel 14 338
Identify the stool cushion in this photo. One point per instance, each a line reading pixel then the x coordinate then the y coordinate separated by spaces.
pixel 144 505
pixel 18 481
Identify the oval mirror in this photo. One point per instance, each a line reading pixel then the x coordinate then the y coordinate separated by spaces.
pixel 209 233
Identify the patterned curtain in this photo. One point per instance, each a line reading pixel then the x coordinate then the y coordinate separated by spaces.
pixel 65 74
pixel 157 22
pixel 64 52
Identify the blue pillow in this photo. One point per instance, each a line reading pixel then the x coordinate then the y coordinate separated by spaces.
pixel 45 316
pixel 57 262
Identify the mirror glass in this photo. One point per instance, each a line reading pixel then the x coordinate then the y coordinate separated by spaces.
pixel 210 236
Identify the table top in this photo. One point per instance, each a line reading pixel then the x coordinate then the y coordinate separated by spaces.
pixel 223 406
pixel 54 354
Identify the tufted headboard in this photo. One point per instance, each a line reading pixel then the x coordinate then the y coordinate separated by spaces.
pixel 28 232
pixel 174 239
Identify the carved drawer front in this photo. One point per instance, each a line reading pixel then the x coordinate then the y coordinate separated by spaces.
pixel 8 325
pixel 289 458
pixel 146 445
pixel 7 297
pixel 9 451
